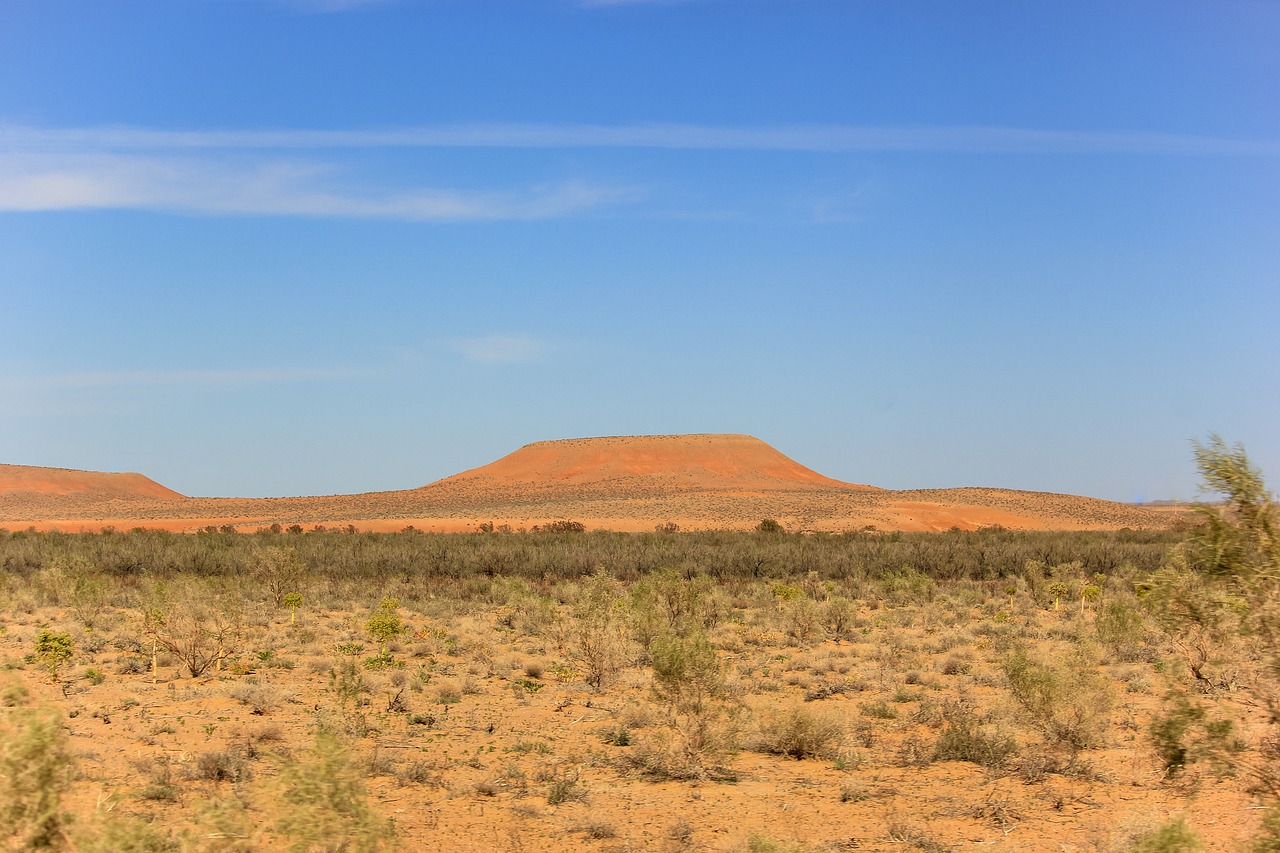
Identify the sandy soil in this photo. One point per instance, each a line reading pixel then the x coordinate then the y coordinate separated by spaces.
pixel 494 717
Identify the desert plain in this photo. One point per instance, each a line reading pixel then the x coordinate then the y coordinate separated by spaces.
pixel 655 643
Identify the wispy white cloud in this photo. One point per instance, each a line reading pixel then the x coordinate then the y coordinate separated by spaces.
pixel 271 187
pixel 120 378
pixel 841 207
pixel 289 173
pixel 812 138
pixel 502 349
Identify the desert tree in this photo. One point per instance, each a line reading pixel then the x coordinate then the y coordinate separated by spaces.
pixel 279 570
pixel 1219 601
pixel 199 628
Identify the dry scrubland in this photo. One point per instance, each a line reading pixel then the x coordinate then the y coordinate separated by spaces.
pixel 613 692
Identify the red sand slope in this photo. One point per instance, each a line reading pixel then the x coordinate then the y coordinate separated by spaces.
pixel 64 481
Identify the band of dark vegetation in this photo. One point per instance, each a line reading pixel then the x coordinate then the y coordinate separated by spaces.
pixel 982 555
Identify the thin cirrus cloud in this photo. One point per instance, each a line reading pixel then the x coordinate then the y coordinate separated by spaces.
pixel 797 138
pixel 276 187
pixel 264 172
pixel 502 349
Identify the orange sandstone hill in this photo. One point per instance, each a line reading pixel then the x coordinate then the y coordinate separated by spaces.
pixel 19 479
pixel 631 483
pixel 646 463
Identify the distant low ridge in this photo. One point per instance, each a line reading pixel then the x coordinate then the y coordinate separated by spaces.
pixel 66 481
pixel 623 483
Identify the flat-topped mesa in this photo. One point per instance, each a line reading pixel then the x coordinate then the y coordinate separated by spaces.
pixel 684 462
pixel 35 480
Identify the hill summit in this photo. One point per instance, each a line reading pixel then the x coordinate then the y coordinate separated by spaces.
pixel 705 462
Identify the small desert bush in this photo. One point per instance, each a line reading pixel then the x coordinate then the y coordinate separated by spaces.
pixel 1173 837
pixel 664 754
pixel 1068 701
pixel 839 617
pixel 226 765
pixel 261 698
pixel 801 733
pixel 194 624
pixel 689 681
pixel 669 602
pixel 1119 628
pixel 35 771
pixel 325 804
pixel 120 833
pixel 598 828
pixel 802 620
pixel 161 785
pixel 878 709
pixel 565 789
pixel 1183 732
pixel 967 738
pixel 599 635
pixel 757 843
pixel 53 649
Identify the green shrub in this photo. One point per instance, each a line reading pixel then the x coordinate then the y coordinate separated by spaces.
pixel 1173 837
pixel 53 650
pixel 200 629
pixel 757 843
pixel 908 586
pixel 965 738
pixel 669 602
pixel 326 808
pixel 1120 630
pixel 227 765
pixel 839 618
pixel 1184 733
pixel 1069 702
pixel 598 635
pixel 878 709
pixel 117 833
pixel 385 624
pixel 293 601
pixel 688 679
pixel 35 771
pixel 565 789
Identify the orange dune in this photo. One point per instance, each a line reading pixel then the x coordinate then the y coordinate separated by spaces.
pixel 634 483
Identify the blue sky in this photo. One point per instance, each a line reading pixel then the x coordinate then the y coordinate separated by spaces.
pixel 278 247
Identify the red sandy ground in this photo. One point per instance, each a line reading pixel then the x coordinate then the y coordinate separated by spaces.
pixel 631 483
